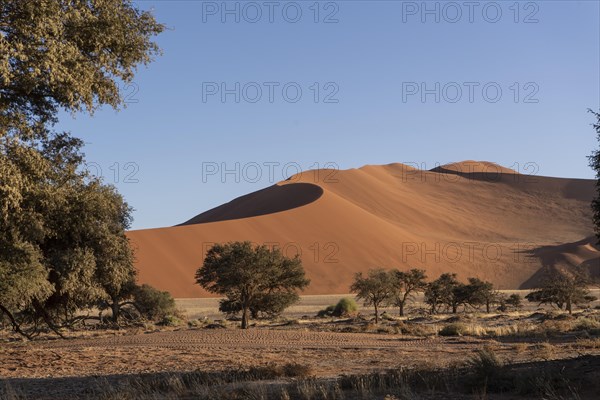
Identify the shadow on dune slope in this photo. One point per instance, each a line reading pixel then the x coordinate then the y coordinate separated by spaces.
pixel 583 253
pixel 274 199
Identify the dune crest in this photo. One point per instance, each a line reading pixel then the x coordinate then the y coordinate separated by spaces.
pixel 506 230
pixel 472 166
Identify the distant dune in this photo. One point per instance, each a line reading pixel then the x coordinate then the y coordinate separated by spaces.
pixel 472 218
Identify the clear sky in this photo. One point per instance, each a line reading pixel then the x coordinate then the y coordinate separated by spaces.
pixel 380 82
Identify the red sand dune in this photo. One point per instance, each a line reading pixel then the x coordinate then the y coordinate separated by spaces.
pixel 473 219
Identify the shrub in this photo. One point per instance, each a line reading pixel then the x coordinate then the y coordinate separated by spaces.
pixel 346 306
pixel 454 329
pixel 170 320
pixel 296 370
pixel 407 328
pixel 545 351
pixel 488 372
pixel 327 312
pixel 515 301
pixel 586 324
pixel 153 303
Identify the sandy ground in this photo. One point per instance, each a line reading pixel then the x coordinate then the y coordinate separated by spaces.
pixel 53 368
pixel 329 353
pixel 26 367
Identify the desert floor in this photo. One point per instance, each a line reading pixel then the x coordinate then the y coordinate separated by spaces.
pixel 84 365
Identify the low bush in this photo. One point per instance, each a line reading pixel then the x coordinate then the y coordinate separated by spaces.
pixel 327 312
pixel 414 329
pixel 454 329
pixel 171 320
pixel 486 366
pixel 586 324
pixel 272 370
pixel 346 306
pixel 153 303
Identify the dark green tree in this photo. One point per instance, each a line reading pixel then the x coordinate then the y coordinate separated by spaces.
pixel 562 290
pixel 69 229
pixel 594 161
pixel 445 290
pixel 406 284
pixel 515 301
pixel 251 277
pixel 152 303
pixel 70 55
pixel 62 239
pixel 266 305
pixel 375 289
pixel 480 293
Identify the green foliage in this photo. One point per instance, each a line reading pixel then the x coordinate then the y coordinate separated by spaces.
pixel 515 301
pixel 405 285
pixel 346 306
pixel 594 162
pixel 327 311
pixel 562 290
pixel 266 305
pixel 446 290
pixel 171 320
pixel 154 304
pixel 62 234
pixel 62 231
pixel 449 292
pixel 479 293
pixel 251 278
pixel 375 289
pixel 70 55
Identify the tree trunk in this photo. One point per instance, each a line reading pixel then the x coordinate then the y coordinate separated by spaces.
pixel 454 308
pixel 39 308
pixel 115 311
pixel 13 321
pixel 487 307
pixel 376 314
pixel 402 309
pixel 245 317
pixel 569 308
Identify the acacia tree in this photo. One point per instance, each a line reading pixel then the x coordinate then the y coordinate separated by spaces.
pixel 405 284
pixel 71 55
pixel 445 290
pixel 478 293
pixel 72 249
pixel 515 301
pixel 375 289
pixel 267 305
pixel 594 161
pixel 246 275
pixel 62 231
pixel 562 290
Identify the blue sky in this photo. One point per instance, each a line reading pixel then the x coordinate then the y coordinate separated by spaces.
pixel 362 69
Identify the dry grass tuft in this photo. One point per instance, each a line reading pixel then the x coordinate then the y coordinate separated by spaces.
pixel 545 351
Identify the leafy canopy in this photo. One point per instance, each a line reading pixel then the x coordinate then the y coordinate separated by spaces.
pixel 74 55
pixel 374 289
pixel 62 232
pixel 251 278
